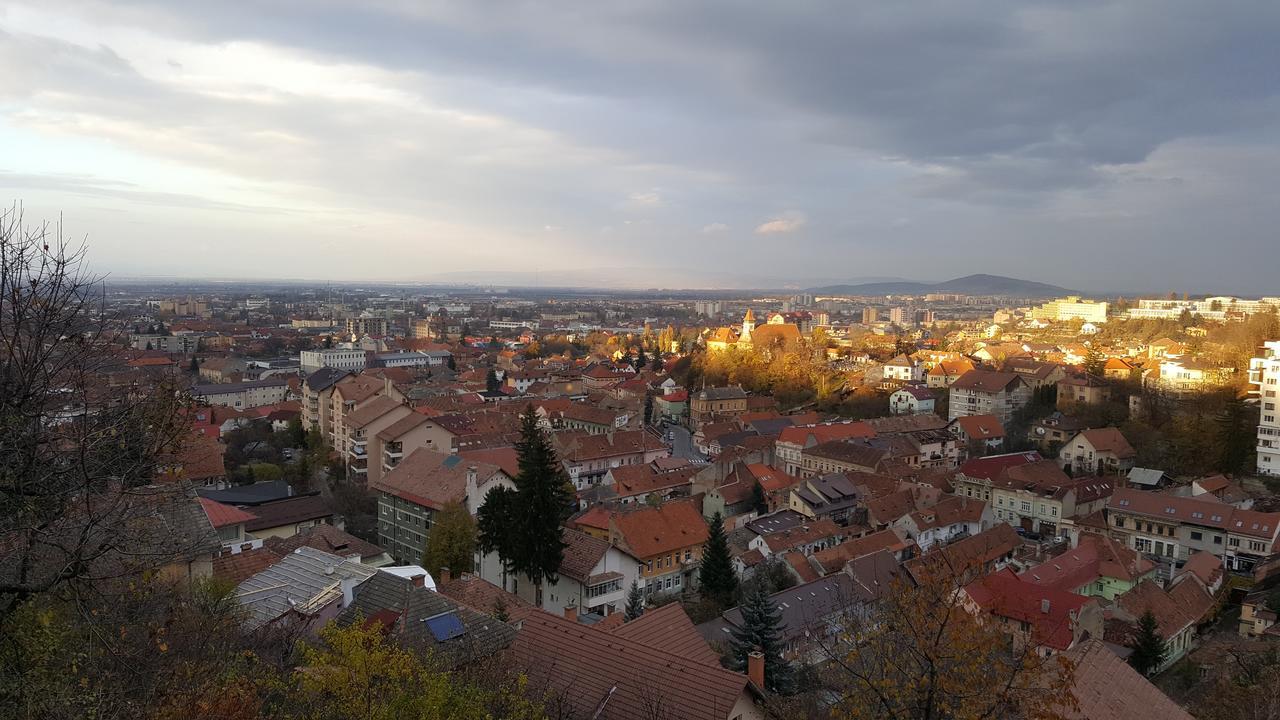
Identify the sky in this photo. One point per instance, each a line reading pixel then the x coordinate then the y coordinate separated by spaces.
pixel 1104 146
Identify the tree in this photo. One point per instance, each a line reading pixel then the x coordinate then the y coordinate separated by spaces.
pixel 716 577
pixel 761 631
pixel 491 382
pixel 523 526
pixel 641 360
pixel 635 602
pixel 451 542
pixel 648 409
pixel 74 450
pixel 1095 363
pixel 1235 441
pixel 194 368
pixel 1148 647
pixel 758 500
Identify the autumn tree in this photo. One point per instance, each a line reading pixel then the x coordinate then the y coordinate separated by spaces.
pixel 917 653
pixel 1148 647
pixel 73 448
pixel 716 577
pixel 451 542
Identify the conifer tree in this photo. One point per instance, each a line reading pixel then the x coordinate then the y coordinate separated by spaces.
pixel 761 630
pixel 648 409
pixel 716 577
pixel 635 602
pixel 1148 647
pixel 491 381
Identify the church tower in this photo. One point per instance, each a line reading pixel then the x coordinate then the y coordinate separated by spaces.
pixel 748 325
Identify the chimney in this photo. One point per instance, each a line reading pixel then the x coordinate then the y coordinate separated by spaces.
pixel 444 575
pixel 755 668
pixel 419 580
pixel 1044 606
pixel 571 612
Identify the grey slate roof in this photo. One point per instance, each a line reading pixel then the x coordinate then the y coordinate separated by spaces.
pixel 802 607
pixel 221 388
pixel 403 607
pixel 324 378
pixel 254 494
pixel 305 579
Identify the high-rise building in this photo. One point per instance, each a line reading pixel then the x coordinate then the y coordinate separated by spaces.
pixel 926 317
pixel 1264 372
pixel 900 316
pixel 869 316
pixel 708 308
pixel 1071 308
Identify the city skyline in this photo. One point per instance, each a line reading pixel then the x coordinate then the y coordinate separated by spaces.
pixel 394 143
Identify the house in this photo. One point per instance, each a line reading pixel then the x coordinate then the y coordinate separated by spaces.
pixel 950 519
pixel 1035 373
pixel 792 442
pixel 911 400
pixel 228 521
pixel 1083 389
pixel 362 444
pixel 976 475
pixel 644 483
pixel 1178 611
pixel 242 395
pixel 985 392
pixel 1039 497
pixel 1098 566
pixel 979 434
pixel 598 673
pixel 718 403
pixel 426 622
pixel 903 369
pixel 1049 620
pixel 889 541
pixel 317 395
pixel 594 576
pixel 422 484
pixel 671 405
pixel 833 496
pixel 669 628
pixel 1174 527
pixel 1052 432
pixel 666 540
pixel 588 458
pixel 806 538
pixel 947 371
pixel 1119 369
pixel 967 558
pixel 1186 375
pixel 289 516
pixel 1108 688
pixel 334 541
pixel 837 456
pixel 1101 451
pixel 1148 479
pixel 306 588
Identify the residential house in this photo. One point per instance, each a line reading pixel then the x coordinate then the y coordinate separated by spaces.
pixel 947 371
pixel 719 403
pixel 286 517
pixel 792 442
pixel 594 576
pixel 666 540
pixel 911 400
pixel 1175 527
pixel 597 673
pixel 421 485
pixel 1083 389
pixel 1179 610
pixel 1039 497
pixel 889 541
pixel 306 588
pixel 984 392
pixel 589 458
pixel 837 456
pixel 672 405
pixel 1035 373
pixel 317 394
pixel 976 475
pixel 1051 433
pixel 904 370
pixel 351 393
pixel 1050 620
pixel 361 443
pixel 334 541
pixel 978 434
pixel 1108 688
pixel 967 558
pixel 946 521
pixel 1098 566
pixel 1101 451
pixel 242 395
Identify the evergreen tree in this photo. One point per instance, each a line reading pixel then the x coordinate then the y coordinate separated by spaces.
pixel 1235 441
pixel 500 610
pixel 1095 363
pixel 451 542
pixel 1148 647
pixel 195 366
pixel 761 630
pixel 635 602
pixel 715 573
pixel 641 360
pixel 524 526
pixel 758 501
pixel 491 381
pixel 453 364
pixel 648 409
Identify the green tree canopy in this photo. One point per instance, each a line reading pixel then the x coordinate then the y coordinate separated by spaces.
pixel 761 630
pixel 1148 647
pixel 716 577
pixel 451 542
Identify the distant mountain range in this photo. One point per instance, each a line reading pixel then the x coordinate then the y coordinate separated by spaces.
pixel 968 285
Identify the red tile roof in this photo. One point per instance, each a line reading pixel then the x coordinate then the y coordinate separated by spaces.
pixel 1108 688
pixel 245 564
pixel 656 531
pixel 981 427
pixel 990 467
pixel 669 629
pixel 224 515
pixel 986 381
pixel 815 434
pixel 1046 610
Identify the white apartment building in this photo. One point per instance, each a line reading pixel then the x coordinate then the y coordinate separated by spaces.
pixel 1212 308
pixel 1264 372
pixel 351 359
pixel 1071 308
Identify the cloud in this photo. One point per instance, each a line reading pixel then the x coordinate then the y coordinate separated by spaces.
pixel 714 228
pixel 649 198
pixel 787 222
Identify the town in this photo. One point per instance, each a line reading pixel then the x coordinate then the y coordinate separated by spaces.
pixel 725 506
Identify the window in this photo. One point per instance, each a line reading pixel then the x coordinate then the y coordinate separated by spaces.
pixel 1234 542
pixel 1196 536
pixel 1217 539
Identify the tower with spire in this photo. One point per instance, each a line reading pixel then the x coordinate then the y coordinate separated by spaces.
pixel 748 326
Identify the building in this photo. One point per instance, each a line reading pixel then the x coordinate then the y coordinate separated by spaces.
pixel 903 369
pixel 912 400
pixel 869 316
pixel 1071 308
pixel 1099 451
pixel 1188 375
pixel 979 434
pixel 1264 374
pixel 984 392
pixel 249 394
pixel 1174 527
pixel 366 324
pixel 349 359
pixel 951 519
pixel 1099 566
pixel 588 458
pixel 594 577
pixel 719 403
pixel 791 442
pixel 667 541
pixel 362 443
pixel 1047 619
pixel 900 316
pixel 317 393
pixel 307 587
pixel 418 358
pixel 421 485
pixel 1083 389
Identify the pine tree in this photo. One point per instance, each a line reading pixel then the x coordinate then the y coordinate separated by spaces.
pixel 715 573
pixel 1095 363
pixel 648 409
pixel 453 364
pixel 451 542
pixel 758 500
pixel 491 381
pixel 1235 441
pixel 195 366
pixel 524 526
pixel 1148 647
pixel 641 360
pixel 635 602
pixel 761 630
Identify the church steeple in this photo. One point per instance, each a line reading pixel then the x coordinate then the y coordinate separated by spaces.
pixel 748 325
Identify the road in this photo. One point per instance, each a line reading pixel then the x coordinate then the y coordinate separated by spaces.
pixel 682 445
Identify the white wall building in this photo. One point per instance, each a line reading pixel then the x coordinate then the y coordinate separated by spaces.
pixel 351 359
pixel 1264 372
